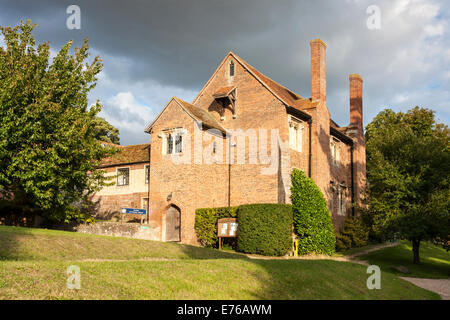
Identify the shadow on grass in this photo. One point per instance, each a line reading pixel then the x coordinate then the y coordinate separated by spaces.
pixel 19 243
pixel 201 253
pixel 11 239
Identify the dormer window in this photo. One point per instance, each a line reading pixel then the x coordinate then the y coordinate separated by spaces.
pixel 226 98
pixel 231 69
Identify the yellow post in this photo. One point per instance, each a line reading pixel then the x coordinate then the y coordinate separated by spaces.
pixel 296 248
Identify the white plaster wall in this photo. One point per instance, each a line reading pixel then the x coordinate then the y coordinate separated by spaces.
pixel 136 183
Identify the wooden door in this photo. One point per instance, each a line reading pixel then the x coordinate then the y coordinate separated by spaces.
pixel 173 224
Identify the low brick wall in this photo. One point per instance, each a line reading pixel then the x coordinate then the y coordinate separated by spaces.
pixel 117 229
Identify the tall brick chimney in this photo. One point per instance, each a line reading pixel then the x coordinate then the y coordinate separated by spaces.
pixel 356 116
pixel 318 70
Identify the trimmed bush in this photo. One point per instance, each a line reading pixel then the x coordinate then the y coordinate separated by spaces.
pixel 265 229
pixel 206 223
pixel 354 234
pixel 312 220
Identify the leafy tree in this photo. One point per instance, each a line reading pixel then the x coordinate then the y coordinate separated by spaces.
pixel 49 153
pixel 408 170
pixel 105 131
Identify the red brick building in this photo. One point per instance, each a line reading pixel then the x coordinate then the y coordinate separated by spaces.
pixel 239 140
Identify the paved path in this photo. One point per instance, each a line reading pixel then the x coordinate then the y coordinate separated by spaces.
pixel 349 258
pixel 440 286
pixel 374 248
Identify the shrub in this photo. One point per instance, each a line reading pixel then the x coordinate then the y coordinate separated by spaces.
pixel 343 242
pixel 265 229
pixel 206 223
pixel 354 234
pixel 312 220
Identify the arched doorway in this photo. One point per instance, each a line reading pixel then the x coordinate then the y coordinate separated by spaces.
pixel 173 224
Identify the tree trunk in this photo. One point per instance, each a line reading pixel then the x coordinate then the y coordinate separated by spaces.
pixel 416 244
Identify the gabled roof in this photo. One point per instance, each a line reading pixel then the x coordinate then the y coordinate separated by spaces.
pixel 194 112
pixel 288 97
pixel 127 154
pixel 293 101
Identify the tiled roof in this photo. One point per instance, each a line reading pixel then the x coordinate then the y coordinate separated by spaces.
pixel 289 97
pixel 196 113
pixel 128 154
pixel 223 92
pixel 200 115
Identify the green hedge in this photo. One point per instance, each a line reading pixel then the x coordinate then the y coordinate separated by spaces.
pixel 206 223
pixel 312 220
pixel 265 229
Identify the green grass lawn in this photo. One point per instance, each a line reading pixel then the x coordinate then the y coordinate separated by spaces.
pixel 435 261
pixel 33 264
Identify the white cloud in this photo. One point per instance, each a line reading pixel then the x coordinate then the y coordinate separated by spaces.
pixel 423 8
pixel 137 103
pixel 434 30
pixel 399 98
pixel 124 112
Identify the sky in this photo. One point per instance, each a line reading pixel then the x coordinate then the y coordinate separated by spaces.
pixel 155 49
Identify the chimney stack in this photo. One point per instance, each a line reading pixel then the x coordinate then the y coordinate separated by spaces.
pixel 318 70
pixel 356 116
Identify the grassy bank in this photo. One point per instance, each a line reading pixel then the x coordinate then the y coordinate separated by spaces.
pixel 34 262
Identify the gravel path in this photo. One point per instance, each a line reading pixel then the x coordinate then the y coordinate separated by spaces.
pixel 440 286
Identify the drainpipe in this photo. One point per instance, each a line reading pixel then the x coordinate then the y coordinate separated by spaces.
pixel 148 192
pixel 229 173
pixel 310 152
pixel 352 180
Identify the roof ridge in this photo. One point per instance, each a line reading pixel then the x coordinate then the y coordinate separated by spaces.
pixel 275 82
pixel 135 145
pixel 196 113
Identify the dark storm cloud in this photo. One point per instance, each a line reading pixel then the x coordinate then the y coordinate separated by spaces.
pixel 181 42
pixel 178 44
